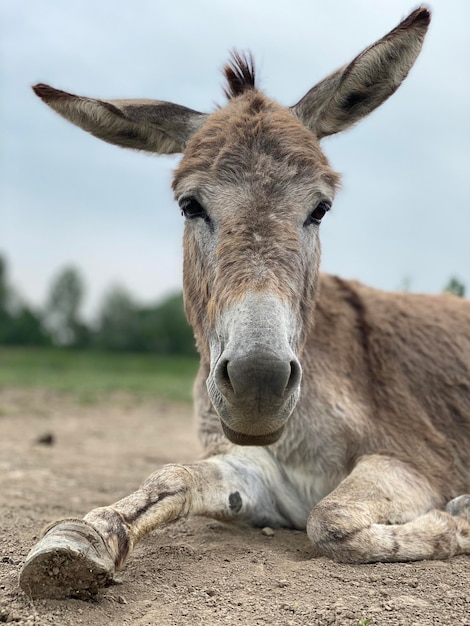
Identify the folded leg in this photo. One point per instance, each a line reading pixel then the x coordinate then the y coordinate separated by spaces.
pixel 385 510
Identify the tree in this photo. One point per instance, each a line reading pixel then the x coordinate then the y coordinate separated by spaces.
pixel 164 328
pixel 456 287
pixel 6 318
pixel 161 329
pixel 3 284
pixel 25 329
pixel 20 325
pixel 117 321
pixel 62 311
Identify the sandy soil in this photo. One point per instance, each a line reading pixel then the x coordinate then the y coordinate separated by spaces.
pixel 59 458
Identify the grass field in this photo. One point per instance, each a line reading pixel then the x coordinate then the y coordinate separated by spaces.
pixel 91 375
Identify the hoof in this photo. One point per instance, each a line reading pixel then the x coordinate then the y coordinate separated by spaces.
pixel 459 506
pixel 70 561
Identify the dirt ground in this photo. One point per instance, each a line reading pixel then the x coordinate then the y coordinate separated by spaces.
pixel 61 458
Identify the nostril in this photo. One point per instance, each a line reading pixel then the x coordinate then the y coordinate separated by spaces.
pixel 295 376
pixel 222 375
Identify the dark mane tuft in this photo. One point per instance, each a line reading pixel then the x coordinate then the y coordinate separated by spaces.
pixel 240 74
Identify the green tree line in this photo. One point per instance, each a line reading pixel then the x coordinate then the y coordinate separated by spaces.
pixel 120 325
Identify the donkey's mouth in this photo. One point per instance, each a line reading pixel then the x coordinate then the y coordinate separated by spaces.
pixel 251 440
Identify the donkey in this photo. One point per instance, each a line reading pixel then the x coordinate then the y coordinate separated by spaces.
pixel 321 403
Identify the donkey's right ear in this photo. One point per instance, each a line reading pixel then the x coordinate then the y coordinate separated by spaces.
pixel 352 92
pixel 150 125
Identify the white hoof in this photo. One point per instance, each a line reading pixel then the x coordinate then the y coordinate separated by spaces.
pixel 71 560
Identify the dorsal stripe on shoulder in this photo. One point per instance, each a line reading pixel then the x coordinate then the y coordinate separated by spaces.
pixel 240 74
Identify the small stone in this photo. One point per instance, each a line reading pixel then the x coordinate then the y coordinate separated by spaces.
pixel 46 439
pixel 121 600
pixel 267 531
pixel 282 583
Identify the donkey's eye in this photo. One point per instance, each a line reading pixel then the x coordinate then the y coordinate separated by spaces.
pixel 318 213
pixel 191 208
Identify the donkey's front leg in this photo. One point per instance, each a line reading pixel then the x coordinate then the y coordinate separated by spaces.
pixel 77 557
pixel 386 510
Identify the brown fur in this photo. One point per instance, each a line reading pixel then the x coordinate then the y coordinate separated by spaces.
pixel 408 359
pixel 240 75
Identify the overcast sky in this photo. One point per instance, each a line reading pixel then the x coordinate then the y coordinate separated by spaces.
pixel 403 214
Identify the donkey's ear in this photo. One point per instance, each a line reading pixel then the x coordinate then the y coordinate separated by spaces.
pixel 351 93
pixel 149 125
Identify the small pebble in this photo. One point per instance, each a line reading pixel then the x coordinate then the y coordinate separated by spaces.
pixel 121 600
pixel 46 439
pixel 267 531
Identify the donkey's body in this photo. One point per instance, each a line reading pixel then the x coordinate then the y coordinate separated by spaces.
pixel 381 372
pixel 322 404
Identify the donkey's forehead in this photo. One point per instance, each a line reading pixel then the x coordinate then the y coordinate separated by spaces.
pixel 253 140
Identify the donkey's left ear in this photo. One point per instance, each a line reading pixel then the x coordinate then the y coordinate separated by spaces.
pixel 150 125
pixel 352 92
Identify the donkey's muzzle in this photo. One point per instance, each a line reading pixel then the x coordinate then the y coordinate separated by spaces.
pixel 257 378
pixel 254 379
pixel 254 395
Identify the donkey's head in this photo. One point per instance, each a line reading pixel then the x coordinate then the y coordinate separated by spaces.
pixel 253 185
